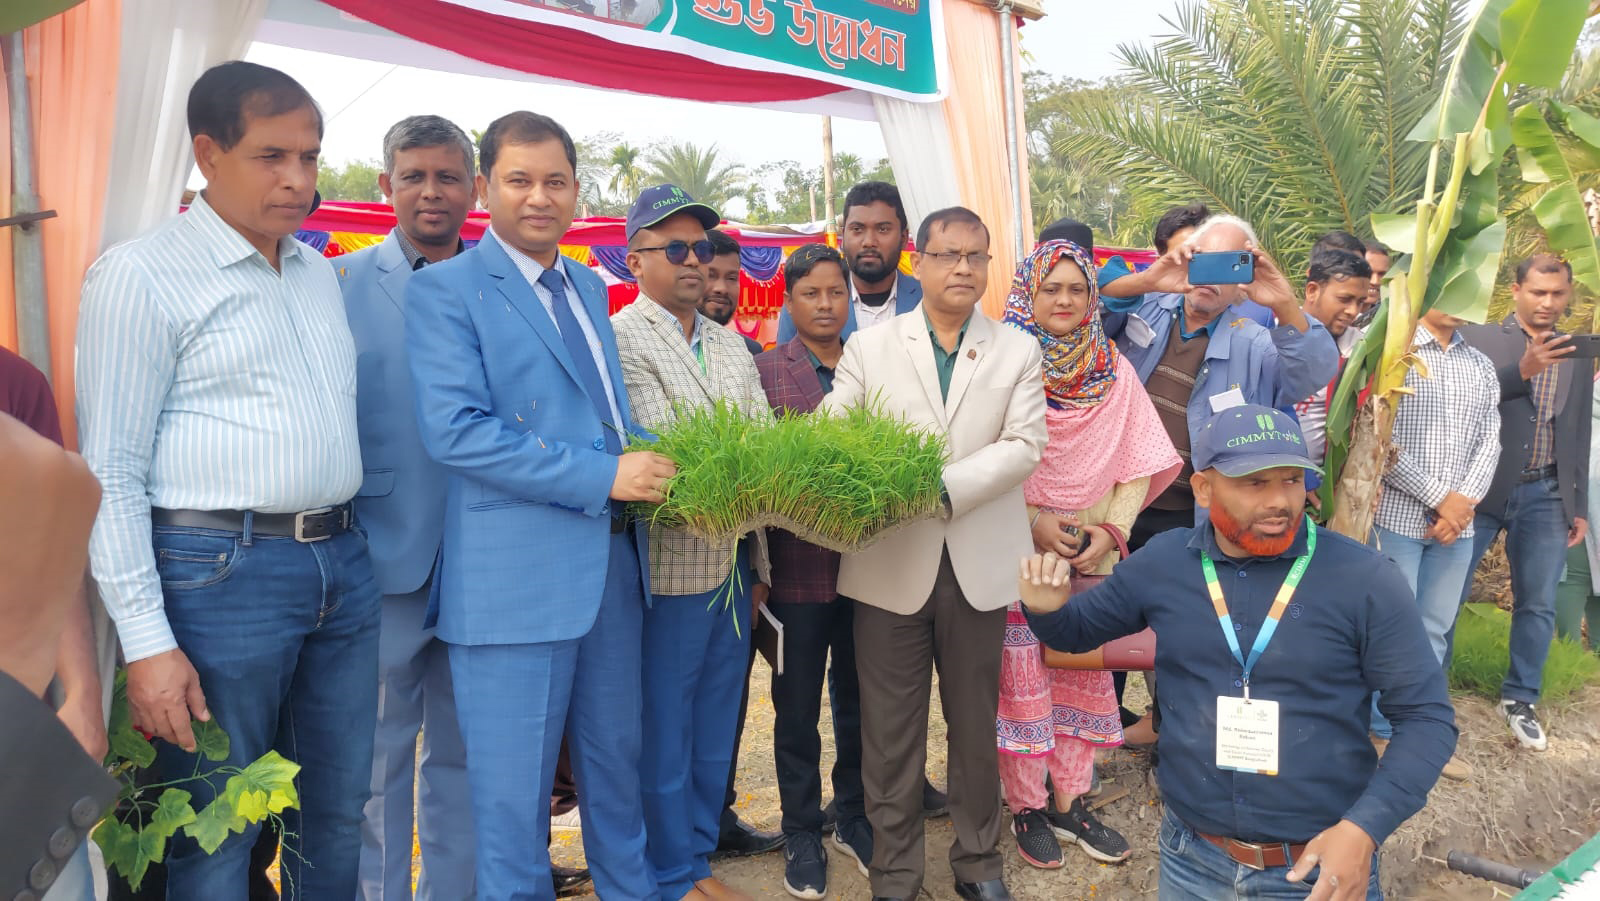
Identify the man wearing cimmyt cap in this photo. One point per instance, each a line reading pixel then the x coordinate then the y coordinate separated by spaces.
pixel 1271 635
pixel 697 630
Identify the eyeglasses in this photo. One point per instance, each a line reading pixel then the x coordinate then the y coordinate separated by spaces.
pixel 951 258
pixel 678 251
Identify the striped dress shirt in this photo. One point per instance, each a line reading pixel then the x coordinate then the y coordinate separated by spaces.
pixel 1446 434
pixel 207 380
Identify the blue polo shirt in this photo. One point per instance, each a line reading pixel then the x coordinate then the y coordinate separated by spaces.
pixel 1351 629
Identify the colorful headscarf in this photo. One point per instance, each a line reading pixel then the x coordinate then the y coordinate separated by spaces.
pixel 1081 366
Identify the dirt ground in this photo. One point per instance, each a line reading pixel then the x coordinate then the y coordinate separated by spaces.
pixel 1521 808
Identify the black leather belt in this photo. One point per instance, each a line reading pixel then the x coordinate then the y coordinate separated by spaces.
pixel 1534 475
pixel 306 526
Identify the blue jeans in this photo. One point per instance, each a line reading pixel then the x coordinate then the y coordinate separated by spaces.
pixel 284 636
pixel 1536 546
pixel 1436 573
pixel 694 670
pixel 1193 869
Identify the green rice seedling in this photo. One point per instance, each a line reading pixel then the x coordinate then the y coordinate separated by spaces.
pixel 1482 653
pixel 837 481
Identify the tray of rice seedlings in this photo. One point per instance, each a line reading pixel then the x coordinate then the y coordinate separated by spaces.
pixel 840 482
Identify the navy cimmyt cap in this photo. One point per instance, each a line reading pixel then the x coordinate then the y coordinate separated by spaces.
pixel 657 203
pixel 1249 438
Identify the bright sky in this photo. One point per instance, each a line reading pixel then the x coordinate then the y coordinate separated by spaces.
pixel 1077 38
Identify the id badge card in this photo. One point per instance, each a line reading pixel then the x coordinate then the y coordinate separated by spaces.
pixel 1247 735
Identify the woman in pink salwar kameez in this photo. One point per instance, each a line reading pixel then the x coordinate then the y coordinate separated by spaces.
pixel 1107 457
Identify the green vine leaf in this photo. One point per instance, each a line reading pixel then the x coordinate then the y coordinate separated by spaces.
pixel 212 826
pixel 265 786
pixel 124 741
pixel 210 740
pixel 171 814
pixel 123 849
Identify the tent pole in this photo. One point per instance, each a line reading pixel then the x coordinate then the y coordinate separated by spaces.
pixel 27 244
pixel 832 230
pixel 1009 74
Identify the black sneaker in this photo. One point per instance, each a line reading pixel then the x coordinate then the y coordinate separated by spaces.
pixel 854 837
pixel 1524 724
pixel 1036 842
pixel 805 866
pixel 1097 840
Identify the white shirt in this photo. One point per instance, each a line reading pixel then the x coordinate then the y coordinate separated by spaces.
pixel 531 269
pixel 869 316
pixel 207 380
pixel 1313 411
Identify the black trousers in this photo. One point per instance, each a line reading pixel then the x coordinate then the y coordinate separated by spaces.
pixel 811 634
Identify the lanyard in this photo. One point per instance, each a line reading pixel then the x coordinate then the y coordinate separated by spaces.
pixel 700 355
pixel 1279 604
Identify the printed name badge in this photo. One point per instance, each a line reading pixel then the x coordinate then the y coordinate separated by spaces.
pixel 1228 399
pixel 1247 735
pixel 1139 331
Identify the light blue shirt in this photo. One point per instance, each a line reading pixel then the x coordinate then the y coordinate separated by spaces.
pixel 531 269
pixel 207 380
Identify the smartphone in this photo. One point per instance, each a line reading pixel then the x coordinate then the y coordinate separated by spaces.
pixel 1586 347
pixel 1226 267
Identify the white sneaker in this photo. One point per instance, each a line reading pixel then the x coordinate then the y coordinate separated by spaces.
pixel 1524 724
pixel 568 820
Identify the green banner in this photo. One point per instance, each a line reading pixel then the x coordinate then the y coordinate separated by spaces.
pixel 886 44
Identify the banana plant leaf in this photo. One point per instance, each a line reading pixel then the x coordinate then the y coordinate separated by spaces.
pixel 1560 210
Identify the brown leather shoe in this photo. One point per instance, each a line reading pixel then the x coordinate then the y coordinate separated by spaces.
pixel 695 895
pixel 1456 769
pixel 717 890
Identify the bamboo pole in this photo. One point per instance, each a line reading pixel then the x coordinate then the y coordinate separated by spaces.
pixel 27 243
pixel 832 228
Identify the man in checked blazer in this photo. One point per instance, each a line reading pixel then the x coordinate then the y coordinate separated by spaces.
pixel 697 630
pixel 933 593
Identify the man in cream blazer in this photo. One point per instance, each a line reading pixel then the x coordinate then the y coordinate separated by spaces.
pixel 935 592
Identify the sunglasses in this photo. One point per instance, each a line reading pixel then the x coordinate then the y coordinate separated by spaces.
pixel 678 251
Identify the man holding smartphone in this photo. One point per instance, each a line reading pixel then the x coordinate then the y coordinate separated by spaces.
pixel 1196 355
pixel 1540 488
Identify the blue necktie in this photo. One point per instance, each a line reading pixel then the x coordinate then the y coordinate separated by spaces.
pixel 582 357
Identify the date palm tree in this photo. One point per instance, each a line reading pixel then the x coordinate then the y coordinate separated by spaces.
pixel 1290 113
pixel 698 171
pixel 624 162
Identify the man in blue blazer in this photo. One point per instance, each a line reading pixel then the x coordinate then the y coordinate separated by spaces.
pixel 874 237
pixel 541 586
pixel 427 175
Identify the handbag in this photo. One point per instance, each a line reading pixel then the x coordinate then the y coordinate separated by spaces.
pixel 1130 652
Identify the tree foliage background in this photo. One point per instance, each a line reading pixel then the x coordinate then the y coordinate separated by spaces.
pixel 613 169
pixel 1290 113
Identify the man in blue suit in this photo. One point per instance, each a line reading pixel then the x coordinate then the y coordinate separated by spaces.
pixel 541 586
pixel 874 237
pixel 427 176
